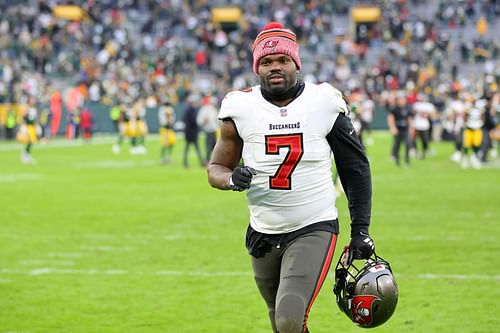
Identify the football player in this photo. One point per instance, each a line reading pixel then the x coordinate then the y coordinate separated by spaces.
pixel 285 130
pixel 29 130
pixel 136 128
pixel 456 112
pixel 423 110
pixel 167 135
pixel 473 134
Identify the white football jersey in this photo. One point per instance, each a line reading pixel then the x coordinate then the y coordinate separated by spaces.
pixel 423 111
pixel 475 115
pixel 287 147
pixel 367 109
pixel 456 108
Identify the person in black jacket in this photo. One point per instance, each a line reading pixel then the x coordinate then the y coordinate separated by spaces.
pixel 490 123
pixel 191 131
pixel 399 121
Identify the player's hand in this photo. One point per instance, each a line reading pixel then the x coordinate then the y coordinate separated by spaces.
pixel 241 178
pixel 360 247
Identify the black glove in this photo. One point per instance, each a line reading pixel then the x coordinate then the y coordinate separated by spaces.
pixel 241 178
pixel 361 247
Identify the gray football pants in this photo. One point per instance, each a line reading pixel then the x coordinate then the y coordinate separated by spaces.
pixel 290 277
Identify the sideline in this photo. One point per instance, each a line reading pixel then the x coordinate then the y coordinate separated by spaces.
pixel 59 142
pixel 203 274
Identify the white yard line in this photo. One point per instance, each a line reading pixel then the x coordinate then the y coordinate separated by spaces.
pixel 65 254
pixel 37 262
pixel 457 277
pixel 107 237
pixel 57 143
pixel 110 164
pixel 201 274
pixel 63 143
pixel 10 178
pixel 176 237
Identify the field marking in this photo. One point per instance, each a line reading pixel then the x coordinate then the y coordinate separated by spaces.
pixel 176 237
pixel 107 248
pixel 430 238
pixel 458 277
pixel 60 142
pixel 34 262
pixel 10 271
pixel 110 164
pixel 10 178
pixel 40 271
pixel 133 237
pixel 201 274
pixel 65 254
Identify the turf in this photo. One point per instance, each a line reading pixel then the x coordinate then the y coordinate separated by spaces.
pixel 96 242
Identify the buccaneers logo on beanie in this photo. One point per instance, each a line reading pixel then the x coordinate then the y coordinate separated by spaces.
pixel 275 39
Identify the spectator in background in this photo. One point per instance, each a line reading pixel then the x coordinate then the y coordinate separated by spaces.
pixel 74 122
pixel 74 103
pixel 10 125
pixel 45 118
pixel 422 112
pixel 455 110
pixel 86 123
pixel 413 37
pixel 367 111
pixel 55 110
pixel 490 123
pixel 191 131
pixel 114 116
pixel 208 123
pixel 399 124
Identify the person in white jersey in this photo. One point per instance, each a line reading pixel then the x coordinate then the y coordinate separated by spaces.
pixel 284 131
pixel 456 112
pixel 423 110
pixel 366 115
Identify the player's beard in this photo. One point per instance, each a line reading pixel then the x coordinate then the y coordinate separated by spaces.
pixel 279 92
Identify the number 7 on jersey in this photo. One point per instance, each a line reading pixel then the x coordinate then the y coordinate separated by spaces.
pixel 282 179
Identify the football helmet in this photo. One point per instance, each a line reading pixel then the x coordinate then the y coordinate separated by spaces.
pixel 368 296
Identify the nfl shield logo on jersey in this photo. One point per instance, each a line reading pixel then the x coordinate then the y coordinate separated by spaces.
pixel 283 112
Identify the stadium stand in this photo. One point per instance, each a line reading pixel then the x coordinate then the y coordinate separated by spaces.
pixel 115 51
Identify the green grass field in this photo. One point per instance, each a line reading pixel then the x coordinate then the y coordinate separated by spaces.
pixel 94 242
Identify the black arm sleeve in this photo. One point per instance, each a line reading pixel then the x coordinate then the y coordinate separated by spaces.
pixel 354 171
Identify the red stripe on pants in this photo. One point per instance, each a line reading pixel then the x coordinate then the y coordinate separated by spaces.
pixel 324 272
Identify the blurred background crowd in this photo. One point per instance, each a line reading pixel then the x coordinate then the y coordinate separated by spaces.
pixel 104 62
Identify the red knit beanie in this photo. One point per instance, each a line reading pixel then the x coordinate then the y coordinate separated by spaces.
pixel 275 39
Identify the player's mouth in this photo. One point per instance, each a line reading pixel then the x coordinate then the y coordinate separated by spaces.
pixel 276 79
